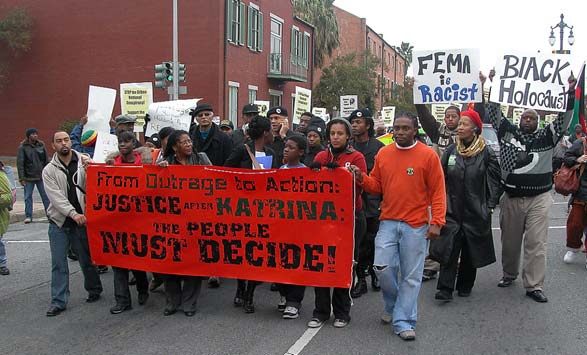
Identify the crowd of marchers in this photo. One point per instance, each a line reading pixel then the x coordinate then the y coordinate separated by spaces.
pixel 442 229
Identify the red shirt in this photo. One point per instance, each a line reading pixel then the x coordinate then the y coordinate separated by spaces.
pixel 344 159
pixel 138 160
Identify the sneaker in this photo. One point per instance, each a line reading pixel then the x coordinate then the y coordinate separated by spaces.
pixel 428 275
pixel 28 220
pixel 290 312
pixel 315 323
pixel 443 295
pixel 386 318
pixel 213 282
pixel 340 323
pixel 409 334
pixel 4 270
pixel 572 256
pixel 281 304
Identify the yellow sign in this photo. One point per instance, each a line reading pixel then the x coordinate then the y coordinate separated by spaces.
pixel 135 99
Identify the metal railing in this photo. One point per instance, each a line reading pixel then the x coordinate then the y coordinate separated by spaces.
pixel 285 68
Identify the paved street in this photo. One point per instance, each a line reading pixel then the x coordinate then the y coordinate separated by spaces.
pixel 491 321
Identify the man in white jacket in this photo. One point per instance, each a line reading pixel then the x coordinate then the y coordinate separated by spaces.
pixel 65 181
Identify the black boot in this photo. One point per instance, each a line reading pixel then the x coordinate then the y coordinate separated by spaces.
pixel 249 307
pixel 239 298
pixel 360 287
pixel 374 280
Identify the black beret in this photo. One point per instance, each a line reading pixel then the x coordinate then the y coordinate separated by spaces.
pixel 361 113
pixel 279 110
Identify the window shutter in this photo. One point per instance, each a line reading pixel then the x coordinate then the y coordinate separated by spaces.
pixel 241 23
pixel 294 39
pixel 229 20
pixel 250 27
pixel 306 42
pixel 260 27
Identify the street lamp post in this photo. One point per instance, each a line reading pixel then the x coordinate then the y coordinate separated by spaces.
pixel 561 25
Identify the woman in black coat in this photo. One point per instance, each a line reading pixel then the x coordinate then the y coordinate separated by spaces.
pixel 472 177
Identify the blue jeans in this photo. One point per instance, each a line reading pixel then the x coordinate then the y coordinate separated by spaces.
pixel 399 261
pixel 59 239
pixel 29 186
pixel 2 252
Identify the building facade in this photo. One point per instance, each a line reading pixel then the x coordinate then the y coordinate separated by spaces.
pixel 235 52
pixel 356 36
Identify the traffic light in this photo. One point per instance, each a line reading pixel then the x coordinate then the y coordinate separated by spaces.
pixel 181 72
pixel 162 74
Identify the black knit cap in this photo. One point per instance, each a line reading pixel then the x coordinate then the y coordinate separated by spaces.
pixel 30 131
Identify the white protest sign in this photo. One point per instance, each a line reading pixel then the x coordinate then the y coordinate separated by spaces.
pixel 135 99
pixel 263 107
pixel 303 103
pixel 550 118
pixel 174 114
pixel 388 114
pixel 445 76
pixel 536 81
pixel 516 114
pixel 320 112
pixel 439 110
pixel 106 144
pixel 348 103
pixel 100 104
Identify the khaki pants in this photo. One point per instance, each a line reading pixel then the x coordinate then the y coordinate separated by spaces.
pixel 525 219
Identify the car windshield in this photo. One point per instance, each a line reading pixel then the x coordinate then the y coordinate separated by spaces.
pixel 489 135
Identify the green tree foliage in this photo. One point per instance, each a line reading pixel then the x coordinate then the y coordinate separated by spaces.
pixel 403 97
pixel 320 14
pixel 405 50
pixel 15 38
pixel 352 74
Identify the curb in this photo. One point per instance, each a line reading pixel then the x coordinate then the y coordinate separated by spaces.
pixel 20 216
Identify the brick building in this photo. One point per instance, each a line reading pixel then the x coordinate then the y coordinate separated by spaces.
pixel 235 53
pixel 355 37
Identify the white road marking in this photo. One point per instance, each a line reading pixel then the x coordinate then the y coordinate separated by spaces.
pixel 26 241
pixel 561 203
pixel 304 340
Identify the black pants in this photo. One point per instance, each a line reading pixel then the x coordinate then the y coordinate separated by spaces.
pixel 186 295
pixel 339 303
pixel 466 271
pixel 294 295
pixel 367 246
pixel 121 291
pixel 360 230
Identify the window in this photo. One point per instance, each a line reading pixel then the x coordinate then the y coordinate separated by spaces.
pixel 305 49
pixel 275 54
pixel 235 24
pixel 233 103
pixel 299 47
pixel 255 35
pixel 252 94
pixel 274 98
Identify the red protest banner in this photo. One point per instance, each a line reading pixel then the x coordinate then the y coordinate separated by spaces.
pixel 289 226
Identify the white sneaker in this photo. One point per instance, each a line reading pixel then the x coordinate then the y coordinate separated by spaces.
pixel 28 220
pixel 290 312
pixel 315 323
pixel 386 317
pixel 572 256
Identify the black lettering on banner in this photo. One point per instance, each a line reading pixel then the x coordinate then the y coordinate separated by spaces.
pixel 158 244
pixel 231 249
pixel 249 253
pixel 209 251
pixel 311 255
pixel 290 256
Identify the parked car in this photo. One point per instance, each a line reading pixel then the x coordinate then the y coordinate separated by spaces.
pixel 490 136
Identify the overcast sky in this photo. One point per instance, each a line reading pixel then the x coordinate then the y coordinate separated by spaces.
pixel 492 26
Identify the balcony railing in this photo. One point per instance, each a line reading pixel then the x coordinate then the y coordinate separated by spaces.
pixel 285 70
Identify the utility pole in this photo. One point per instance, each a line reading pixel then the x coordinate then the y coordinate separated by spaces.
pixel 175 54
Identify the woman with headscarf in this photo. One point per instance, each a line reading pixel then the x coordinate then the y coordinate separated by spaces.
pixel 179 151
pixel 472 178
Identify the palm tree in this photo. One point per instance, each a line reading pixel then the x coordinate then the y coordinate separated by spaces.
pixel 320 14
pixel 405 50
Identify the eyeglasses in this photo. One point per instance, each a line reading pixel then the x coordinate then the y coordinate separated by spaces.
pixel 186 142
pixel 204 114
